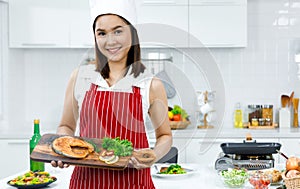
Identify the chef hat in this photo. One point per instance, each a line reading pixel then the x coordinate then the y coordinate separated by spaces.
pixel 123 8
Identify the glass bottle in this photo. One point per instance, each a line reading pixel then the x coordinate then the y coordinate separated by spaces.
pixel 35 165
pixel 238 116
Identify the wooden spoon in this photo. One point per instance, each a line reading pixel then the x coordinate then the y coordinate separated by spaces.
pixel 291 98
pixel 295 106
pixel 285 99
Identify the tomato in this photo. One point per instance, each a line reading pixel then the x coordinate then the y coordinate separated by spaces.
pixel 177 117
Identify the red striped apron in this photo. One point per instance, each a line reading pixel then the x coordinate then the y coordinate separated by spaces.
pixel 112 114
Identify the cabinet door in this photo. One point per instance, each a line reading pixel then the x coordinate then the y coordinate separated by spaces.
pixel 15 156
pixel 204 151
pixel 173 17
pixel 218 25
pixel 36 23
pixel 81 32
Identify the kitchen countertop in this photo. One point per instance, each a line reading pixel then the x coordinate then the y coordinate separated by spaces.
pixel 190 132
pixel 203 176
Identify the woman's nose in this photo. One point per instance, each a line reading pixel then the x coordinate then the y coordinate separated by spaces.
pixel 110 38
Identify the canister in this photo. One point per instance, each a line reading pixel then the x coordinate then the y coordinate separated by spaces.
pixel 254 111
pixel 267 113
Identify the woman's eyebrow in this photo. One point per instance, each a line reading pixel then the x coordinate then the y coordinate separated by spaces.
pixel 114 28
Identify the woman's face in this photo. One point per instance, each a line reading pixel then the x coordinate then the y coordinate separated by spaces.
pixel 113 37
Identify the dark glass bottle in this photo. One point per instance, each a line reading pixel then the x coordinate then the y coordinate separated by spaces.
pixel 35 165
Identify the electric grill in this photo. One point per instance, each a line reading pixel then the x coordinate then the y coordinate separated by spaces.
pixel 249 155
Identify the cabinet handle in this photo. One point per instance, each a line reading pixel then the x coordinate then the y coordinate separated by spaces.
pixel 157 2
pixel 38 44
pixel 220 45
pixel 17 143
pixel 218 3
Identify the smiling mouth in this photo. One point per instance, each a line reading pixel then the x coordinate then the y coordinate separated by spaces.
pixel 113 50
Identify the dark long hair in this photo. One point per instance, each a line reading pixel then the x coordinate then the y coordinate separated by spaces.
pixel 133 58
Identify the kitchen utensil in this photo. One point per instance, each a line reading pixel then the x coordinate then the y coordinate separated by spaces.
pixel 282 154
pixel 250 148
pixel 291 98
pixel 157 63
pixel 206 108
pixel 295 106
pixel 285 99
pixel 169 86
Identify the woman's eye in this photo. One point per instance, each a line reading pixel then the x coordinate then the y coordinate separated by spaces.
pixel 101 34
pixel 118 32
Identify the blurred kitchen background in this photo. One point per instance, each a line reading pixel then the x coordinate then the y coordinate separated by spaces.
pixel 33 80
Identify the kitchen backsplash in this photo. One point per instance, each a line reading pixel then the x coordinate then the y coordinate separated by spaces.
pixel 258 74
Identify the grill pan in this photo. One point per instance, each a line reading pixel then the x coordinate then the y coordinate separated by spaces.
pixel 250 148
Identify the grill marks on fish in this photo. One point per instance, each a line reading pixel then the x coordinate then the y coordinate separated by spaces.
pixel 72 147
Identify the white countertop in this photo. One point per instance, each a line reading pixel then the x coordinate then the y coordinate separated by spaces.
pixel 202 177
pixel 189 133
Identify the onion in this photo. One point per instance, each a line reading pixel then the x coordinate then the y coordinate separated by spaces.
pixel 292 173
pixel 292 164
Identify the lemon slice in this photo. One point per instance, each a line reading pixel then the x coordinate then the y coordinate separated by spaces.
pixel 107 158
pixel 116 159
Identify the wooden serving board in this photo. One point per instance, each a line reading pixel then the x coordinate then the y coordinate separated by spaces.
pixel 43 152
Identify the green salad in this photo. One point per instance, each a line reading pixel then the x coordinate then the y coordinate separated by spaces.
pixel 32 178
pixel 173 169
pixel 234 177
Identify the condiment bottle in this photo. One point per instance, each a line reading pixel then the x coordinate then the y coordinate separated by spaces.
pixel 34 165
pixel 238 116
pixel 267 113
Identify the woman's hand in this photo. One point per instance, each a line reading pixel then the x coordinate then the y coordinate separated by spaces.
pixel 143 158
pixel 59 164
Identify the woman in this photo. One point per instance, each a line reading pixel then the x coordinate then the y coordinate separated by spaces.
pixel 115 104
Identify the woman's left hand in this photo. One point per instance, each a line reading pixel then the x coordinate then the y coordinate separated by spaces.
pixel 143 158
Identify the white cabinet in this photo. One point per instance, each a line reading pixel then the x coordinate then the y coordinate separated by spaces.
pixel 15 156
pixel 204 151
pixel 36 23
pixel 81 31
pixel 167 25
pixel 218 23
pixel 50 24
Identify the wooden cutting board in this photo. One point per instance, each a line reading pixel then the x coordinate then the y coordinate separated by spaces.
pixel 43 152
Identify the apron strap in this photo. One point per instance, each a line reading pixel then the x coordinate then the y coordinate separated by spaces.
pixel 93 87
pixel 136 90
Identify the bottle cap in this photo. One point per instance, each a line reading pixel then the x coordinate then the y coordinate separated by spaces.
pixel 36 121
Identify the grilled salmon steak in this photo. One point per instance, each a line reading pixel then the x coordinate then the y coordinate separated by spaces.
pixel 72 147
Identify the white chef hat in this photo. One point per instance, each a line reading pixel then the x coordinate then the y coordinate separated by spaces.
pixel 123 8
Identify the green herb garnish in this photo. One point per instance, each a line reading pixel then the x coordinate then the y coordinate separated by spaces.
pixel 120 147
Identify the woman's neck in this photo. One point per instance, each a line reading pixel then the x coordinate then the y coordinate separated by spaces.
pixel 116 72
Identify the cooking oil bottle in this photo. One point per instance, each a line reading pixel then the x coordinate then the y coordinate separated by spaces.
pixel 238 116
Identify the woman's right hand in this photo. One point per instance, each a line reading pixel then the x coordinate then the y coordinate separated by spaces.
pixel 59 164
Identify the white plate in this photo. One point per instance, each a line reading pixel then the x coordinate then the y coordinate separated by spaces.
pixel 189 171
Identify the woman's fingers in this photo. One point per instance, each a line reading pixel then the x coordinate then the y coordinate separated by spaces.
pixel 53 163
pixel 59 164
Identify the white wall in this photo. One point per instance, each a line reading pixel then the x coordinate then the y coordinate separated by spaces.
pixel 259 73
